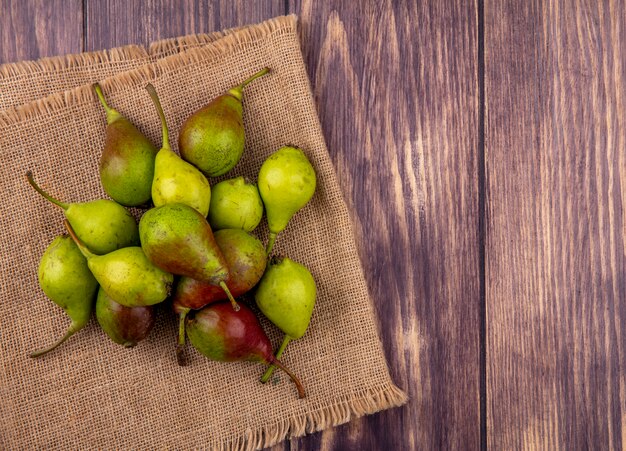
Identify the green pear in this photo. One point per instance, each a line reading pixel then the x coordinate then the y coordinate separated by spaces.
pixel 286 184
pixel 212 138
pixel 235 204
pixel 286 296
pixel 127 275
pixel 103 225
pixel 175 180
pixel 127 160
pixel 65 278
pixel 179 240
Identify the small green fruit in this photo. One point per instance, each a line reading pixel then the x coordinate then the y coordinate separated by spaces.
pixel 286 184
pixel 65 278
pixel 127 275
pixel 286 296
pixel 103 225
pixel 235 204
pixel 212 138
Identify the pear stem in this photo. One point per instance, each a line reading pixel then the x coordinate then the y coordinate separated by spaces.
pixel 265 70
pixel 230 296
pixel 112 114
pixel 81 246
pixel 71 331
pixel 96 87
pixel 31 180
pixel 159 108
pixel 293 377
pixel 270 243
pixel 237 91
pixel 268 373
pixel 180 347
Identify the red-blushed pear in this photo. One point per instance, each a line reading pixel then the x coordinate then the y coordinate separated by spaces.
pixel 246 261
pixel 124 325
pixel 221 334
pixel 179 240
pixel 127 161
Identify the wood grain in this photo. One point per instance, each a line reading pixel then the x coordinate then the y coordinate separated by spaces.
pixel 396 85
pixel 555 143
pixel 112 23
pixel 31 30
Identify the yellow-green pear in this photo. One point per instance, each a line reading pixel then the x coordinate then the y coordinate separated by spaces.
pixel 175 180
pixel 65 278
pixel 286 296
pixel 127 275
pixel 235 204
pixel 103 225
pixel 286 183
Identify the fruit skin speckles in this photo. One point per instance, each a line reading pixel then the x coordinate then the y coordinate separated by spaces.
pixel 212 138
pixel 286 183
pixel 235 204
pixel 66 279
pixel 222 334
pixel 175 180
pixel 127 162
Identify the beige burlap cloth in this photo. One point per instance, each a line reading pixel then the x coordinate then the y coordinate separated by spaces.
pixel 93 393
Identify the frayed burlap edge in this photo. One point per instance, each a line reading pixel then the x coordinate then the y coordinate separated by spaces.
pixel 216 49
pixel 166 47
pixel 172 53
pixel 355 406
pixel 73 61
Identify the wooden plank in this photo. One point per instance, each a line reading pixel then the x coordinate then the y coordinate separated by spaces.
pixel 112 23
pixel 396 85
pixel 31 30
pixel 555 80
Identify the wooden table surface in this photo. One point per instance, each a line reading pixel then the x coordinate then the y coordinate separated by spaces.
pixel 481 147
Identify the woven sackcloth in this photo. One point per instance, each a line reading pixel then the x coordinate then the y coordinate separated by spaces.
pixel 92 393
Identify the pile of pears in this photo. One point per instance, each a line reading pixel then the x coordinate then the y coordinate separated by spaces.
pixel 193 248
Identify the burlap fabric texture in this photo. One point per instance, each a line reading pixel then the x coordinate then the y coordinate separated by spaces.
pixel 92 393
